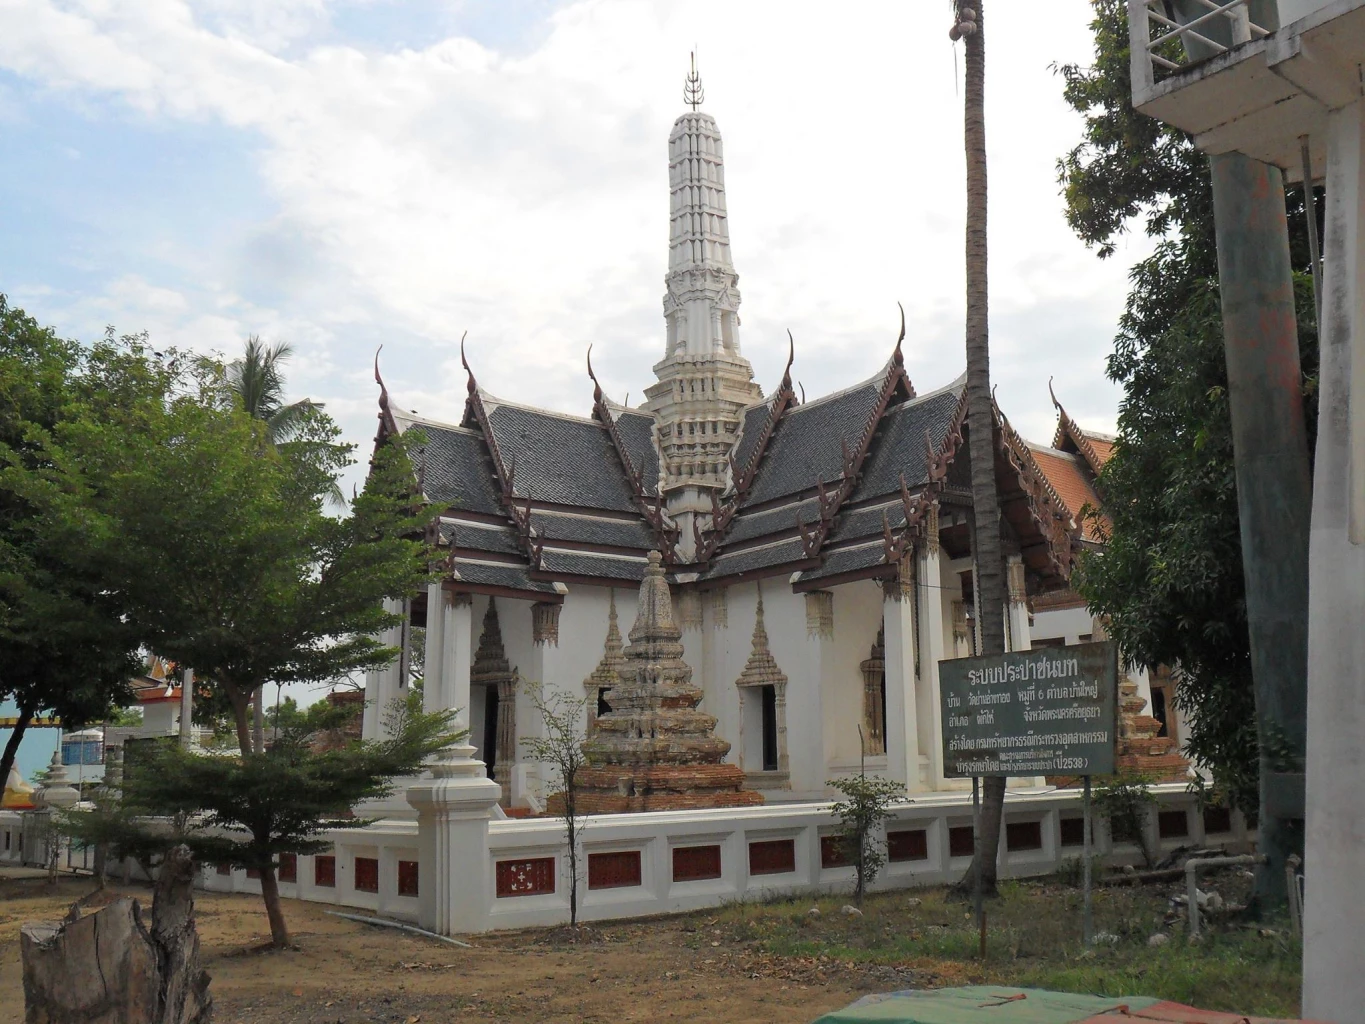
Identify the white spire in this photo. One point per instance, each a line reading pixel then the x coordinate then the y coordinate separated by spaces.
pixel 701 304
pixel 703 380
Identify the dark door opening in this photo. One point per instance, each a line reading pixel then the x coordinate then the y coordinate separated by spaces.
pixel 769 728
pixel 603 707
pixel 490 728
pixel 1159 710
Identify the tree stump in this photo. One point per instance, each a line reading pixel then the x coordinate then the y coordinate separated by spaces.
pixel 108 968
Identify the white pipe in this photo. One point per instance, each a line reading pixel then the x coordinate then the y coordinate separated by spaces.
pixel 385 923
pixel 1192 867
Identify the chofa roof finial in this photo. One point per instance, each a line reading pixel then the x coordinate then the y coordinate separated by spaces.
pixel 596 387
pixel 693 94
pixel 897 356
pixel 383 391
pixel 471 385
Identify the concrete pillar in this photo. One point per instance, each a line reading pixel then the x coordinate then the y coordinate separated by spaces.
pixel 1334 911
pixel 902 707
pixel 1016 606
pixel 387 680
pixel 457 642
pixel 1274 487
pixel 432 678
pixel 455 882
pixel 929 593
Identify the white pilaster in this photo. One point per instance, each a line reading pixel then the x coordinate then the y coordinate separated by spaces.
pixel 929 584
pixel 388 680
pixel 902 706
pixel 458 646
pixel 432 678
pixel 1334 911
pixel 455 882
pixel 1016 608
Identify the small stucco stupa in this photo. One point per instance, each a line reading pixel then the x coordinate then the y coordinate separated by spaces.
pixel 654 750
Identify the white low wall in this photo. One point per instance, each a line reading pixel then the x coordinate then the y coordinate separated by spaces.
pixel 631 866
pixel 524 875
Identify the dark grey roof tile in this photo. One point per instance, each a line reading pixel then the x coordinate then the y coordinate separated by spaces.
pixel 487 574
pixel 844 560
pixel 457 469
pixel 574 563
pixel 561 460
pixel 619 533
pixel 805 446
pixel 899 448
pixel 637 434
pixel 750 559
pixel 752 427
pixel 751 525
pixel 480 537
pixel 867 522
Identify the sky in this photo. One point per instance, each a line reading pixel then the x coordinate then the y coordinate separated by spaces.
pixel 346 174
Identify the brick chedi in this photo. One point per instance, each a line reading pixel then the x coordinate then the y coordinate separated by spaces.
pixel 654 750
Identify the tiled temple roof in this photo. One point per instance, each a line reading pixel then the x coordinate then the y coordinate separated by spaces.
pixel 826 491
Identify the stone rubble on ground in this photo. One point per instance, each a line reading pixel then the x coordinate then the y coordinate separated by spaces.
pixel 1158 939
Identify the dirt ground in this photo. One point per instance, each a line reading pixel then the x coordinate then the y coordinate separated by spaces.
pixel 664 969
pixel 740 964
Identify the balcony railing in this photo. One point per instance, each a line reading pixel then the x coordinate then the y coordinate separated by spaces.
pixel 1166 36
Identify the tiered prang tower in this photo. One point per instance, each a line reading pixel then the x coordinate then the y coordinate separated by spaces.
pixel 703 380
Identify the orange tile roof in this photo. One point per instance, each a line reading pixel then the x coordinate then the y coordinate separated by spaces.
pixel 1067 477
pixel 1103 446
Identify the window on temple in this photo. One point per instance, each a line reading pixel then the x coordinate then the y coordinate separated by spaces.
pixel 769 694
pixel 603 707
pixel 1159 710
pixel 490 728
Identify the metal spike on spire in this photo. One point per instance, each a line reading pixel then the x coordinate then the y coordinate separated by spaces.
pixel 693 93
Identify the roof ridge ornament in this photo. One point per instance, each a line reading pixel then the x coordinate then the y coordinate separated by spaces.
pixel 471 385
pixel 693 93
pixel 896 356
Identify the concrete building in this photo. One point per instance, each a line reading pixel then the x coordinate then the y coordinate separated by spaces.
pixel 1281 82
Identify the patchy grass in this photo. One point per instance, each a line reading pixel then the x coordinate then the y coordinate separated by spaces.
pixel 1034 940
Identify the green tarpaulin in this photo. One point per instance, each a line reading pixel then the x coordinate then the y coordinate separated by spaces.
pixel 978 1004
pixel 1000 1004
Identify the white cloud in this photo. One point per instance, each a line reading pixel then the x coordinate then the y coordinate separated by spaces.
pixel 423 192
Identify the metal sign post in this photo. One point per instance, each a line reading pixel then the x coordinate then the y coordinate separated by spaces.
pixel 978 904
pixel 1087 910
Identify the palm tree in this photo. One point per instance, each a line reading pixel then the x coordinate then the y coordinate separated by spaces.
pixel 258 382
pixel 990 574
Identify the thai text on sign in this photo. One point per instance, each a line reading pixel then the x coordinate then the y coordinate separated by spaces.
pixel 1043 712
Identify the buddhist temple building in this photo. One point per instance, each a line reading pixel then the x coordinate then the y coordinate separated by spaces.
pixel 815 558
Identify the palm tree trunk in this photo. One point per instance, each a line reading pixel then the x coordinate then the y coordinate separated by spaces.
pixel 989 569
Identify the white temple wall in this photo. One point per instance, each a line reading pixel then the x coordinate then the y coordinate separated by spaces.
pixel 711 650
pixel 857 618
pixel 558 666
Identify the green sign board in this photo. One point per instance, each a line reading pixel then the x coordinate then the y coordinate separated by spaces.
pixel 1048 711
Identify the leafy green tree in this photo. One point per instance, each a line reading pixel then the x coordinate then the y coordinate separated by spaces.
pixel 865 807
pixel 1169 579
pixel 65 648
pixel 226 558
pixel 247 810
